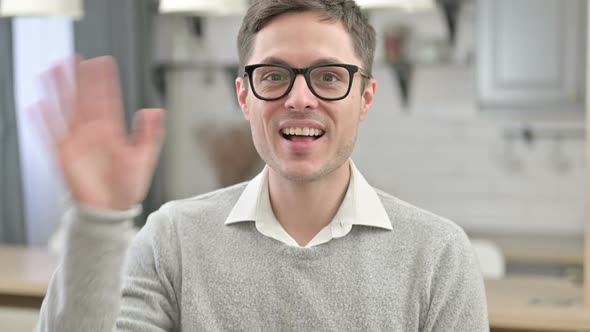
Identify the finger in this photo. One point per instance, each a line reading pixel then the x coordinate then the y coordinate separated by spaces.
pixel 46 120
pixel 148 130
pixel 99 93
pixel 46 137
pixel 60 87
pixel 65 78
pixel 33 116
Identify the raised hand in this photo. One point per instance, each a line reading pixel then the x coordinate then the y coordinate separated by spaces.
pixel 102 165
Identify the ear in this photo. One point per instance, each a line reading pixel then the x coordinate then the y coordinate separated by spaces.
pixel 368 98
pixel 242 93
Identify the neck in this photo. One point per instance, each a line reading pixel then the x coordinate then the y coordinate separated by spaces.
pixel 303 209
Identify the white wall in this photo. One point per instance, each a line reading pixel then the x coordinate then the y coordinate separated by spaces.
pixel 443 154
pixel 197 96
pixel 38 43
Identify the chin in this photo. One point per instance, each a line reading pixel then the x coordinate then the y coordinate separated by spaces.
pixel 296 171
pixel 300 177
pixel 305 169
pixel 304 172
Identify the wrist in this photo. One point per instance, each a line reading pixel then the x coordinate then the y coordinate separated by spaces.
pixel 108 214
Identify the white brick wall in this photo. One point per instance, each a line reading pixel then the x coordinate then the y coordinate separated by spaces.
pixel 449 157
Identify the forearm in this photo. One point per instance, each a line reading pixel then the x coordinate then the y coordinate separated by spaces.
pixel 85 291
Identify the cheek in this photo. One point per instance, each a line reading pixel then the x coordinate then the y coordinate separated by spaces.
pixel 257 128
pixel 260 120
pixel 346 116
pixel 347 131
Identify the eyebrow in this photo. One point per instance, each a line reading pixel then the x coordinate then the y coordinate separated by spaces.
pixel 278 61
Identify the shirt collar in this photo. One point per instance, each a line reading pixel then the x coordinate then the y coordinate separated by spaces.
pixel 247 205
pixel 361 205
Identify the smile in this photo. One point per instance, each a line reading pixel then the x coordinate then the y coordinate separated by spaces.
pixel 295 132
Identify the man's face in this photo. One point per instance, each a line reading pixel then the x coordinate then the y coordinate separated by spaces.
pixel 301 40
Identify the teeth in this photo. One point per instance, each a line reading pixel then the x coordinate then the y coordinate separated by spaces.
pixel 306 131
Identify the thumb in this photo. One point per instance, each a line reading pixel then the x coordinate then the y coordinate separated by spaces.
pixel 148 129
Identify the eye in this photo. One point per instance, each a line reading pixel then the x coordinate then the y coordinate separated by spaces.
pixel 273 76
pixel 328 77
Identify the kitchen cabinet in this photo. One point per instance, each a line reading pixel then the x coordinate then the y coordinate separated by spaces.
pixel 531 54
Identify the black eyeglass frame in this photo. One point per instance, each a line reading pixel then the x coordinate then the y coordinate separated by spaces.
pixel 352 69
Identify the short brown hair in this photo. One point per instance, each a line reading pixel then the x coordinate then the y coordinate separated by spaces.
pixel 345 11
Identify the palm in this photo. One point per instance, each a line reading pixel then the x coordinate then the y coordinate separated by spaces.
pixel 102 166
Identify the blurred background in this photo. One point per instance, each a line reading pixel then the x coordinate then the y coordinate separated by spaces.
pixel 479 115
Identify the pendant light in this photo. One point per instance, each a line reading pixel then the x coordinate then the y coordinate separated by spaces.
pixel 204 7
pixel 406 5
pixel 71 8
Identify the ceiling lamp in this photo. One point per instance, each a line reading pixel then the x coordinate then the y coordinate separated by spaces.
pixel 204 7
pixel 71 8
pixel 406 5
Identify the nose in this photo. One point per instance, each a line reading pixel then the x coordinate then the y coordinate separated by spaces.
pixel 300 98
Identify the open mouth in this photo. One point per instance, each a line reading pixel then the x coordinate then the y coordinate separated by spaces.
pixel 306 133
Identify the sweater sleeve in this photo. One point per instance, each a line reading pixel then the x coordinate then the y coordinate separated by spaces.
pixel 105 284
pixel 152 276
pixel 457 292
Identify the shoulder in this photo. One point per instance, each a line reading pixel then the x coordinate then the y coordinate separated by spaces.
pixel 217 202
pixel 209 208
pixel 441 245
pixel 407 218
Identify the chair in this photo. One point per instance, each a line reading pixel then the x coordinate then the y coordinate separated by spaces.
pixel 490 257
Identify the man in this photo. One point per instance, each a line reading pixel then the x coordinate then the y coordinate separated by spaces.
pixel 307 245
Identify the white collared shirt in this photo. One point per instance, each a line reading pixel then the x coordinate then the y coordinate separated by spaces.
pixel 361 206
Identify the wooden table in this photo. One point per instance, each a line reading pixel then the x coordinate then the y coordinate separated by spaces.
pixel 536 304
pixel 24 275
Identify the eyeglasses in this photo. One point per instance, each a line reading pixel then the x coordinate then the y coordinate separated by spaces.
pixel 328 82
